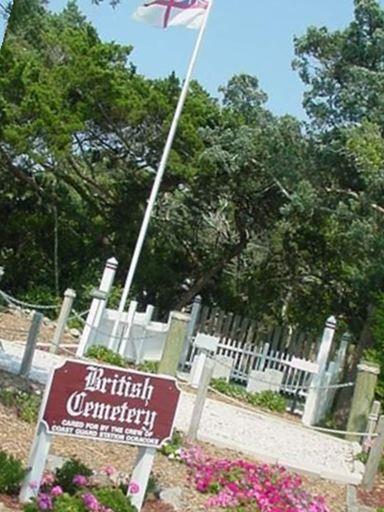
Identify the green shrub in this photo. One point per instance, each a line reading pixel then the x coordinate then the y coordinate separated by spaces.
pixel 171 448
pixel 106 355
pixel 68 503
pixel 7 397
pixel 148 366
pixel 27 405
pixel 114 499
pixel 31 506
pixel 268 400
pixel 11 474
pixel 64 475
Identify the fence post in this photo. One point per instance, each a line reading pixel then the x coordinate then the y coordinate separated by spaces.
pixel 200 399
pixel 374 458
pixel 373 418
pixel 66 307
pixel 178 323
pixel 263 358
pixel 322 358
pixel 196 307
pixel 97 307
pixel 33 333
pixel 363 395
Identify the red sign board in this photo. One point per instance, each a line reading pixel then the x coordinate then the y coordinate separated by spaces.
pixel 110 404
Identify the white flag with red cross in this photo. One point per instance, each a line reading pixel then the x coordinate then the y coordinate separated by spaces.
pixel 171 13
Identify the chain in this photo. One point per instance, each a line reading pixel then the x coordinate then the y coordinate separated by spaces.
pixel 19 303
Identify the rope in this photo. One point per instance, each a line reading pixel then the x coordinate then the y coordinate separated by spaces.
pixel 319 429
pixel 19 303
pixel 361 434
pixel 78 316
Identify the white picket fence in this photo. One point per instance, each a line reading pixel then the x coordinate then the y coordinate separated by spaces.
pixel 136 337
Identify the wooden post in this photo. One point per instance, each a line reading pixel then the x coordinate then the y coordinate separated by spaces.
pixel 322 358
pixel 66 307
pixel 200 399
pixel 97 307
pixel 33 333
pixel 168 366
pixel 196 307
pixel 178 323
pixel 373 418
pixel 363 395
pixel 374 458
pixel 36 463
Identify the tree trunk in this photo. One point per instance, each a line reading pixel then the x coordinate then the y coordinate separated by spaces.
pixel 201 281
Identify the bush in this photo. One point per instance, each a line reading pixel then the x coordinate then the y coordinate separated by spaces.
pixel 148 367
pixel 64 476
pixel 27 405
pixel 11 474
pixel 265 400
pixel 171 449
pixel 106 355
pixel 114 499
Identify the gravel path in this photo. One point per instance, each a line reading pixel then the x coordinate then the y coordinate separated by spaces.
pixel 261 435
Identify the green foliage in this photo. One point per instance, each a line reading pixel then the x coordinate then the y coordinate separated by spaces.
pixel 106 355
pixel 27 405
pixel 68 503
pixel 261 217
pixel 363 457
pixel 114 499
pixel 64 475
pixel 11 474
pixel 268 400
pixel 148 366
pixel 172 448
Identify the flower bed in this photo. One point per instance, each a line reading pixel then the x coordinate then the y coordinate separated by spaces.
pixel 243 486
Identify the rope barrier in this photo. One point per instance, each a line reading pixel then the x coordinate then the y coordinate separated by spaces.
pixel 19 303
pixel 319 429
pixel 361 434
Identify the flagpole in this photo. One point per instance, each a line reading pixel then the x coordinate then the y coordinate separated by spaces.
pixel 161 169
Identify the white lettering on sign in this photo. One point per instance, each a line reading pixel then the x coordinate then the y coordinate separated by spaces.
pixel 78 405
pixel 121 386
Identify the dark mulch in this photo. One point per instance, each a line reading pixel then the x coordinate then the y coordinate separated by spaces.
pixel 374 498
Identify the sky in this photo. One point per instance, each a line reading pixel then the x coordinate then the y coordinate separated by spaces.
pixel 2 21
pixel 250 36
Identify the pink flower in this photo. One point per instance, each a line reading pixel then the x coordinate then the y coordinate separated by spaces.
pixel 56 491
pixel 133 488
pixel 109 470
pixel 80 480
pixel 44 501
pixel 91 502
pixel 48 479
